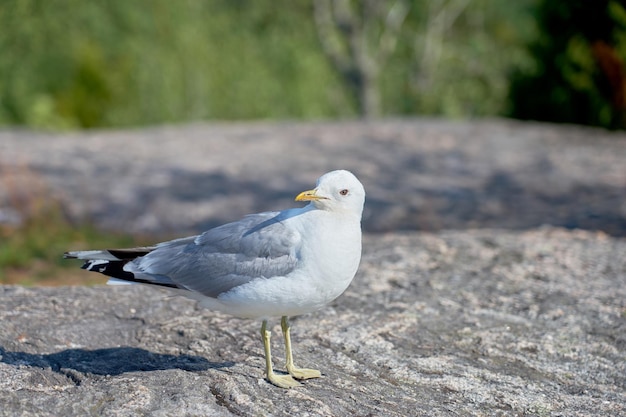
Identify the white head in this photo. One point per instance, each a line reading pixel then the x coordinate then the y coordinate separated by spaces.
pixel 338 191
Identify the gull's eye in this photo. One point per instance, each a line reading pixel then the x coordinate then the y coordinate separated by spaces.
pixel 343 192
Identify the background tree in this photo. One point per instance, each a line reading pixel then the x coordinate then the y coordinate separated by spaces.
pixel 441 15
pixel 358 37
pixel 76 64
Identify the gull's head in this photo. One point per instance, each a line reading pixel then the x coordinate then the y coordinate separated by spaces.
pixel 338 191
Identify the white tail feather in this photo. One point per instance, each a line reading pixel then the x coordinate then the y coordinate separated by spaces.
pixel 115 281
pixel 94 255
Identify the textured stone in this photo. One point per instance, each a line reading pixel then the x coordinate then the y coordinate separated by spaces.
pixel 490 313
pixel 483 322
pixel 419 174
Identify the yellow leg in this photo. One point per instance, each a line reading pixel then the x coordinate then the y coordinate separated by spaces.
pixel 298 373
pixel 283 381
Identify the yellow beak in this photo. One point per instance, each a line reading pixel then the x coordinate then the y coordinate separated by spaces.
pixel 309 195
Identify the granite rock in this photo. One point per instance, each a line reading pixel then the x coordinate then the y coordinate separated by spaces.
pixel 484 322
pixel 493 280
pixel 419 174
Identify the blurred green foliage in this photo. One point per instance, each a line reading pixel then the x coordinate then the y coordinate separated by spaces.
pixel 32 243
pixel 68 64
pixel 32 252
pixel 460 67
pixel 76 64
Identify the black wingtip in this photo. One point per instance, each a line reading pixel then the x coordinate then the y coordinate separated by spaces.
pixel 115 269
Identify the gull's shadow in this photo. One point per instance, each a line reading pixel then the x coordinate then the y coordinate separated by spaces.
pixel 110 361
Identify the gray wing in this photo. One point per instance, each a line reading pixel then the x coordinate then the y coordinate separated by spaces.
pixel 258 246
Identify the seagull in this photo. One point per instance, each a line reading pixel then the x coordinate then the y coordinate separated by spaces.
pixel 264 266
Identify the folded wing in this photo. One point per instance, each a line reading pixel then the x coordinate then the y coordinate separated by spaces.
pixel 259 246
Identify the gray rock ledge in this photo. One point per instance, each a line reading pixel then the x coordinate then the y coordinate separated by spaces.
pixel 419 174
pixel 482 323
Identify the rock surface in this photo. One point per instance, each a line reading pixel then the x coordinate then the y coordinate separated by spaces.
pixel 464 303
pixel 419 174
pixel 455 323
